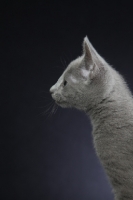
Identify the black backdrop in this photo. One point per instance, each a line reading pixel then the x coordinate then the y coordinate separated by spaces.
pixel 52 157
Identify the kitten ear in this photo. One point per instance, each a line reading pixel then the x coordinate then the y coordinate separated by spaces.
pixel 95 56
pixel 88 68
pixel 87 54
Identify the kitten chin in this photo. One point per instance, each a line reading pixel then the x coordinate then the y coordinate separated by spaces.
pixel 62 104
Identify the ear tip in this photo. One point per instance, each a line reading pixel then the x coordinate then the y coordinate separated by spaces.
pixel 86 39
pixel 85 44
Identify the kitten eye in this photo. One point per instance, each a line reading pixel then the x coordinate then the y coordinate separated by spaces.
pixel 65 82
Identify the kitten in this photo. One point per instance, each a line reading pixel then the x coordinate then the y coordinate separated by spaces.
pixel 90 84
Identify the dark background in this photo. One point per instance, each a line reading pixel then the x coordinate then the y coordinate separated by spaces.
pixel 52 157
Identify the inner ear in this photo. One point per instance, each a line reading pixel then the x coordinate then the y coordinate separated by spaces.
pixel 88 59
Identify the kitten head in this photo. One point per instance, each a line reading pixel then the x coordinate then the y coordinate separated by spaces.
pixel 81 82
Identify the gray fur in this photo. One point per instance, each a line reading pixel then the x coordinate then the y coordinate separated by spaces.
pixel 96 88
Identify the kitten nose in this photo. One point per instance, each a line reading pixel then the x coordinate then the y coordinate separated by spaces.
pixel 51 90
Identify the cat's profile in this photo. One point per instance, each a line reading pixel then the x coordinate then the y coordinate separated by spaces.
pixel 90 84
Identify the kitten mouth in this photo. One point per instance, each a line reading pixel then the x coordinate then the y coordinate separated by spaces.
pixel 61 103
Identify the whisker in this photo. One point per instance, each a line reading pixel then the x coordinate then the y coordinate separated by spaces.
pixel 53 109
pixel 68 60
pixel 51 104
pixel 47 110
pixel 51 112
pixel 56 108
pixel 65 63
pixel 64 66
pixel 48 104
pixel 48 114
pixel 50 108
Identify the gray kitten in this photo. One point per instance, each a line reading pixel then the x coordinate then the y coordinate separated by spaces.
pixel 90 84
